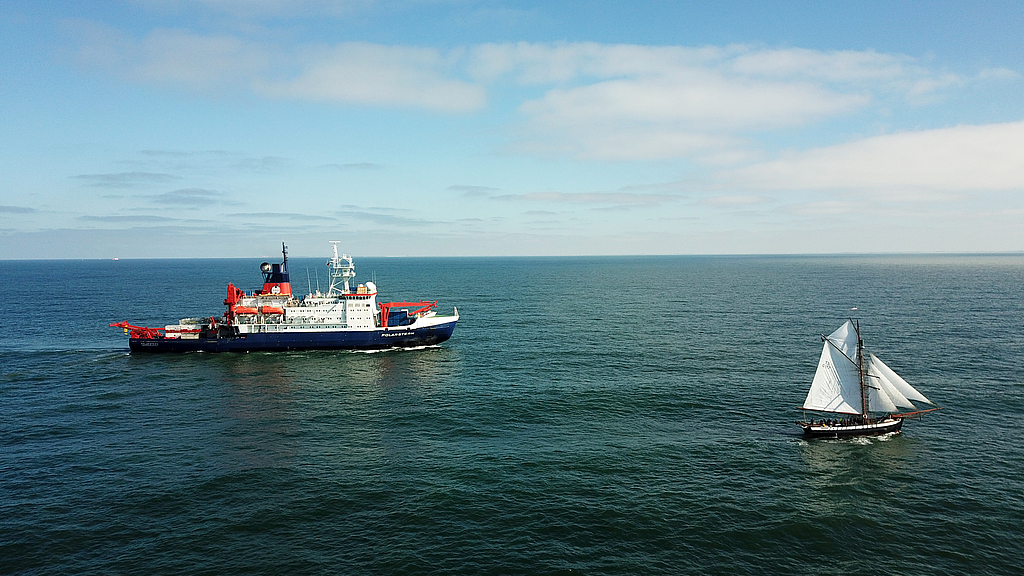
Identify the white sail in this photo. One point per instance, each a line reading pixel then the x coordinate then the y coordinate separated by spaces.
pixel 876 379
pixel 879 397
pixel 836 384
pixel 896 382
pixel 845 338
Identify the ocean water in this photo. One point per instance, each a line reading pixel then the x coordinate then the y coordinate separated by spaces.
pixel 589 416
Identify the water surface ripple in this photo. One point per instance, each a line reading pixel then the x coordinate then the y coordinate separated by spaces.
pixel 590 416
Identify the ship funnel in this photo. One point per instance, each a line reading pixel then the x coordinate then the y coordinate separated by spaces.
pixel 275 278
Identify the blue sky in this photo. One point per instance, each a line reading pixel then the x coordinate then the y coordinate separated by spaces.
pixel 219 128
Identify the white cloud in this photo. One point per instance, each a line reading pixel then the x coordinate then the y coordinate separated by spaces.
pixel 697 98
pixel 610 141
pixel 598 101
pixel 999 74
pixel 628 102
pixel 204 63
pixel 840 66
pixel 692 112
pixel 196 61
pixel 565 62
pixel 366 73
pixel 907 165
pixel 561 62
pixel 352 73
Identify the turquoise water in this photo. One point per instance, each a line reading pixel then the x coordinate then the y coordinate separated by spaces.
pixel 589 416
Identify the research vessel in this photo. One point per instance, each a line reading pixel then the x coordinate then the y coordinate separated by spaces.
pixel 860 394
pixel 272 318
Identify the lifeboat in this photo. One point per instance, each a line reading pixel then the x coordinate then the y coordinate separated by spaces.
pixel 272 310
pixel 245 310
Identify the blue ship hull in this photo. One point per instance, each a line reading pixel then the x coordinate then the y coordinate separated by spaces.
pixel 378 339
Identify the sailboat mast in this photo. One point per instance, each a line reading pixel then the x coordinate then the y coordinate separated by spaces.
pixel 860 371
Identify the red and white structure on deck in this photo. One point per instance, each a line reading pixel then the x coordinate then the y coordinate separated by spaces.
pixel 272 318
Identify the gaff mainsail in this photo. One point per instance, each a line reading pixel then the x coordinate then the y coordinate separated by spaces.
pixel 836 384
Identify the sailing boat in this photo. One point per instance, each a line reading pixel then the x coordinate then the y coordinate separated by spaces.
pixel 855 385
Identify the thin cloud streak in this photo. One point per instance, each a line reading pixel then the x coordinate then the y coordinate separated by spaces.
pixel 589 198
pixel 133 218
pixel 125 179
pixel 352 166
pixel 207 162
pixel 189 197
pixel 16 210
pixel 382 219
pixel 470 191
pixel 279 215
pixel 729 201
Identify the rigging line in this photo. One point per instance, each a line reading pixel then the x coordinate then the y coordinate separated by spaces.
pixel 919 411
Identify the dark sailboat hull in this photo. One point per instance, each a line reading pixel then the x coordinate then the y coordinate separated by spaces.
pixel 820 430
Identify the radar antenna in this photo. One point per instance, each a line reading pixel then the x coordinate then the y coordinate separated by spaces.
pixel 340 270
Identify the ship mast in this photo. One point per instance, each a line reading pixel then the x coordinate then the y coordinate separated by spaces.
pixel 340 269
pixel 860 371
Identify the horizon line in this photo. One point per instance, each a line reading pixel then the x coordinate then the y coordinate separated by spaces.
pixel 663 255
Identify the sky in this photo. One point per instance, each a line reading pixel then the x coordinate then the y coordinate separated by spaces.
pixel 220 128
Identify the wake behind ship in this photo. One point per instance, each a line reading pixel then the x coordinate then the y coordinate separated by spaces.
pixel 274 319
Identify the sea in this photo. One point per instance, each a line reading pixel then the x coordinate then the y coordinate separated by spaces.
pixel 590 415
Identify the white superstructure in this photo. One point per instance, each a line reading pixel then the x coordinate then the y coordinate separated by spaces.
pixel 274 309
